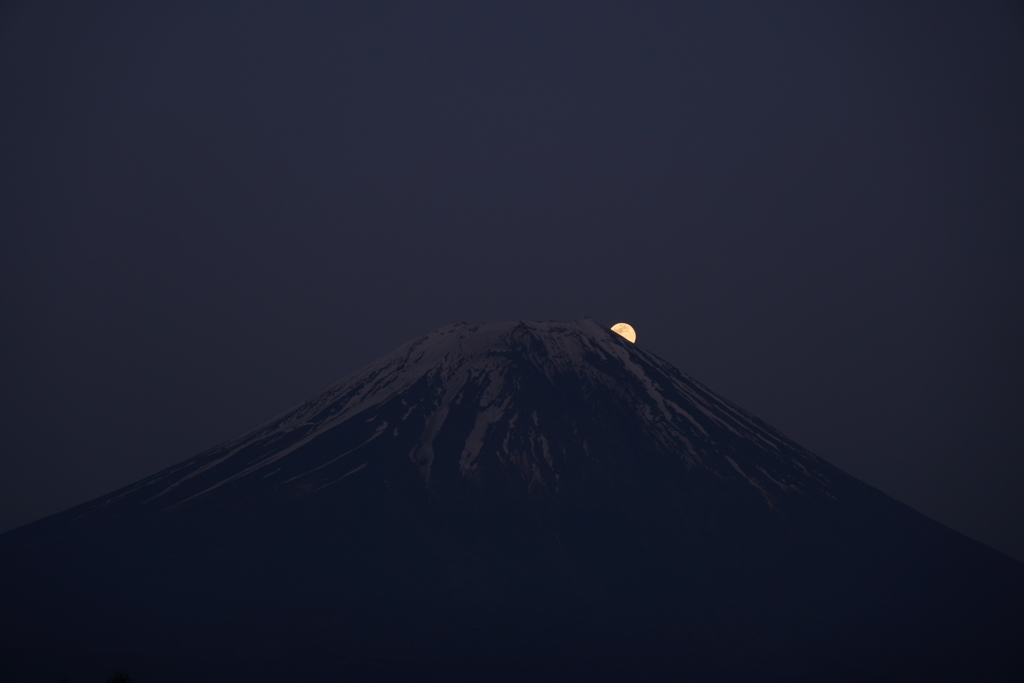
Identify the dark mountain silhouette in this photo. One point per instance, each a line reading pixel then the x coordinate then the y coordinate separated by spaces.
pixel 540 500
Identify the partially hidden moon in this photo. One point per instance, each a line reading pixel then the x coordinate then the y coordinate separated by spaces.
pixel 626 330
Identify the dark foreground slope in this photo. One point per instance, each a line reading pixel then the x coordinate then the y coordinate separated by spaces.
pixel 503 501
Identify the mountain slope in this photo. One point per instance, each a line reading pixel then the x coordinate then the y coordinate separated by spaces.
pixel 538 498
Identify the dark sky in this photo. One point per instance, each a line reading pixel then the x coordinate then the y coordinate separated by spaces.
pixel 212 211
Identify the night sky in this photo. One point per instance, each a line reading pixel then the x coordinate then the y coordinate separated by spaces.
pixel 211 212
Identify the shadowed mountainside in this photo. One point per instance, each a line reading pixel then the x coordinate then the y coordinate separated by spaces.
pixel 510 500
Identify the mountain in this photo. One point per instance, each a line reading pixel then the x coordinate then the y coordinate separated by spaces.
pixel 501 501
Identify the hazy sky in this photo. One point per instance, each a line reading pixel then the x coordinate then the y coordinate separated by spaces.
pixel 212 211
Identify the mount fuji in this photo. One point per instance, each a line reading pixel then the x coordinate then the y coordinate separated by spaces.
pixel 500 501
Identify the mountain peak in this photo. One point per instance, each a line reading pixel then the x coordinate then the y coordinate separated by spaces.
pixel 534 407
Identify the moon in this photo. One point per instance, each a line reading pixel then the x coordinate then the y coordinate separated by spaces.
pixel 626 330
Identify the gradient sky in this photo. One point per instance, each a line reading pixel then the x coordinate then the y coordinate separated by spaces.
pixel 212 211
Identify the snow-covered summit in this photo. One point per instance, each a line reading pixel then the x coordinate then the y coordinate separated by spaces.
pixel 539 407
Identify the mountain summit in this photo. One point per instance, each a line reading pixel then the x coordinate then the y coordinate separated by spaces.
pixel 511 499
pixel 529 409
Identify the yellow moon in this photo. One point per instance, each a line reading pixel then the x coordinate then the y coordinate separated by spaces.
pixel 626 330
